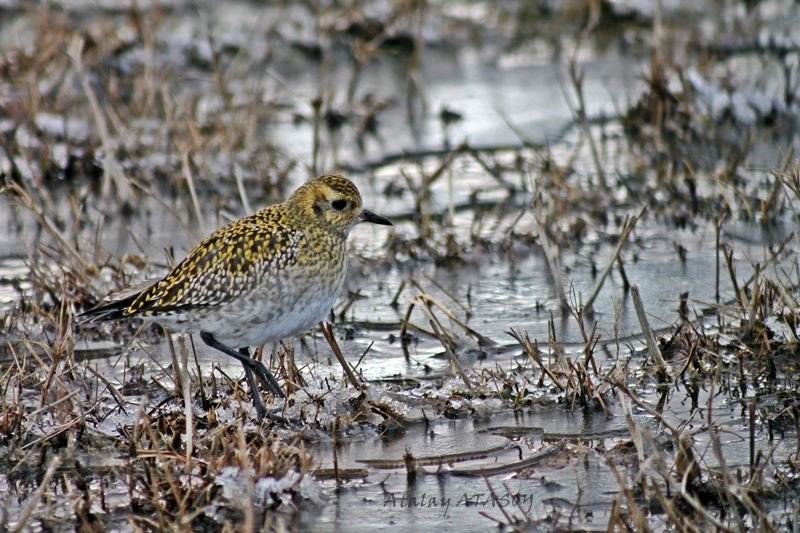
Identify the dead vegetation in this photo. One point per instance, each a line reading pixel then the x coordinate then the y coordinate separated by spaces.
pixel 103 127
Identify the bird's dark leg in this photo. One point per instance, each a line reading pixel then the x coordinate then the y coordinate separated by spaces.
pixel 258 402
pixel 251 368
pixel 260 370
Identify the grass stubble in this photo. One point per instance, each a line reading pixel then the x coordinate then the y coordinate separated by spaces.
pixel 179 449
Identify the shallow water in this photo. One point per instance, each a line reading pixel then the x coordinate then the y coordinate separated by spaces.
pixel 506 98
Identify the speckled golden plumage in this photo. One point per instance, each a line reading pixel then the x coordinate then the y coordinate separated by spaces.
pixel 265 277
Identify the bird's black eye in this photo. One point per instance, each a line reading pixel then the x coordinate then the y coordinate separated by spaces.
pixel 339 204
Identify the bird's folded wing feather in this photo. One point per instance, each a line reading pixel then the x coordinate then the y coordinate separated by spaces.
pixel 227 265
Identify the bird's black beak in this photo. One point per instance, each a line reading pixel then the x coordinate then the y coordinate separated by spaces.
pixel 369 216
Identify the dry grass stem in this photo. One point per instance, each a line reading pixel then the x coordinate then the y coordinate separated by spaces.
pixel 647 331
pixel 627 227
pixel 455 365
pixel 327 331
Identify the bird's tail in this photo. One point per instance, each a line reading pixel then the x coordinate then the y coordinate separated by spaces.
pixel 115 305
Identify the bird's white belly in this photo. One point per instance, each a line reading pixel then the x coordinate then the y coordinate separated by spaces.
pixel 257 322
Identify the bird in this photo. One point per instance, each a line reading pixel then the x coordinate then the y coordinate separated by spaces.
pixel 263 278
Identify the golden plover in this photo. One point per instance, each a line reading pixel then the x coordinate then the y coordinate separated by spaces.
pixel 265 277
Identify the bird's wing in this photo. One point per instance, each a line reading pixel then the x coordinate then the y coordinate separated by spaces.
pixel 228 264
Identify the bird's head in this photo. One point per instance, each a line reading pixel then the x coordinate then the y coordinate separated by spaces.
pixel 334 202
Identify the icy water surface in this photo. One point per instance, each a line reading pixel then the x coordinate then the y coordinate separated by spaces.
pixel 478 156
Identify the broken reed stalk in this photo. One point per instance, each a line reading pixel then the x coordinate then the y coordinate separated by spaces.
pixel 732 272
pixel 187 403
pixel 237 173
pixel 589 345
pixel 793 412
pixel 516 130
pixel 187 174
pixel 652 345
pixel 203 398
pixel 455 365
pixel 451 202
pixel 316 106
pixel 751 321
pixel 411 466
pixel 627 227
pixel 626 285
pixel 489 169
pixel 294 378
pixel 174 357
pixel 637 436
pixel 327 331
